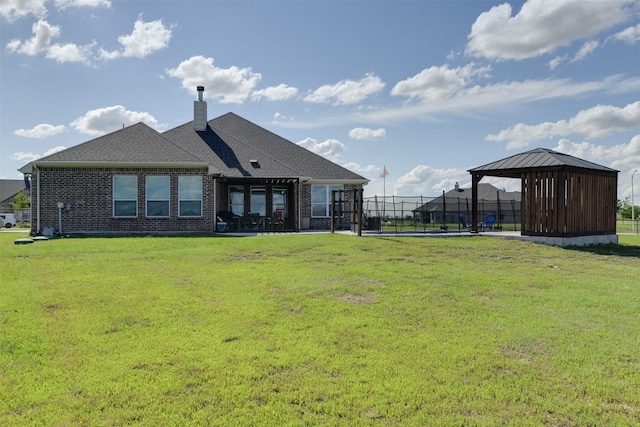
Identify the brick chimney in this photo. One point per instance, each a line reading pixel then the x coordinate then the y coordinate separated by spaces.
pixel 200 112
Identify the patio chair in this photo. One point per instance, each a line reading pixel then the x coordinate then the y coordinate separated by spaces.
pixel 254 220
pixel 464 224
pixel 489 220
pixel 277 221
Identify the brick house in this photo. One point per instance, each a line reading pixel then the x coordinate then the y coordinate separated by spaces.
pixel 187 179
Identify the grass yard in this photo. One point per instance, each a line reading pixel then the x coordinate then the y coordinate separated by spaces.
pixel 318 330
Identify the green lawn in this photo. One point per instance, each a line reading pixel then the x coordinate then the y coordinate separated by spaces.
pixel 318 330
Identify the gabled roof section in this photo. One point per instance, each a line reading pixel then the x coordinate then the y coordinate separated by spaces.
pixel 137 143
pixel 10 187
pixel 539 158
pixel 231 142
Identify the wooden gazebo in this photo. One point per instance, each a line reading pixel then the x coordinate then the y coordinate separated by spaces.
pixel 562 196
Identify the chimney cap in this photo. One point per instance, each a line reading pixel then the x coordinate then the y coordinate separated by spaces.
pixel 200 88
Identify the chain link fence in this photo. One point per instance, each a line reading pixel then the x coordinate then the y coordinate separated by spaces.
pixel 429 213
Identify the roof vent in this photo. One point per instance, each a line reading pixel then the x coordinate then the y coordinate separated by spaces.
pixel 200 112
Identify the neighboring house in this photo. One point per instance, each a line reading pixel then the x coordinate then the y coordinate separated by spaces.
pixel 137 180
pixel 457 202
pixel 9 189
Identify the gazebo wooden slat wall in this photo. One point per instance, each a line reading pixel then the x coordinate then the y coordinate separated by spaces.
pixel 568 203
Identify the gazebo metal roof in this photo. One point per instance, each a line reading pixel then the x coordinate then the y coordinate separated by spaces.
pixel 538 158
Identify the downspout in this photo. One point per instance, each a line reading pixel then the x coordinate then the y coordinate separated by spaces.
pixel 299 204
pixel 38 201
pixel 215 204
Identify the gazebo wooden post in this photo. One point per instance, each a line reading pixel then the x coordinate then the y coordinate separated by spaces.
pixel 475 179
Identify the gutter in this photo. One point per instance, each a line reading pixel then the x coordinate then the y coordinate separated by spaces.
pixel 106 164
pixel 38 200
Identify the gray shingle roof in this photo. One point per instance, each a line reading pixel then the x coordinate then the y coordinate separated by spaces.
pixel 10 187
pixel 229 144
pixel 137 143
pixel 486 192
pixel 539 158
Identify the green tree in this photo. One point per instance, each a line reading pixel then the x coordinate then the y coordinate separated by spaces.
pixel 624 209
pixel 22 201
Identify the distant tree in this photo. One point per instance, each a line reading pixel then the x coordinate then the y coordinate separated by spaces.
pixel 22 201
pixel 624 209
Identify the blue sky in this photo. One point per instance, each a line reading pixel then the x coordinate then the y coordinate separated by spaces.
pixel 428 89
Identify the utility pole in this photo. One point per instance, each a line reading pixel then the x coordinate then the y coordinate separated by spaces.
pixel 633 206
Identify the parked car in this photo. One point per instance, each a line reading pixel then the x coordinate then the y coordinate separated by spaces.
pixel 8 220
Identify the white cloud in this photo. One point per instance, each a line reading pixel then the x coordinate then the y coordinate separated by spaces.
pixel 29 157
pixel 41 131
pixel 436 83
pixel 70 53
pixel 229 85
pixel 346 92
pixel 109 119
pixel 40 43
pixel 429 181
pixel 43 33
pixel 281 118
pixel 621 156
pixel 366 133
pixel 452 55
pixel 502 96
pixel 146 38
pixel 586 50
pixel 331 149
pixel 14 9
pixel 599 121
pixel 540 27
pixel 63 4
pixel 556 61
pixel 282 92
pixel 629 35
pixel 366 171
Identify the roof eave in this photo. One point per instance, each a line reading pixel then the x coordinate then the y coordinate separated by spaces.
pixel 28 168
pixel 308 180
pixel 518 172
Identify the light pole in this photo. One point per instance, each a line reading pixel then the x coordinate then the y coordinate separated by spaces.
pixel 633 206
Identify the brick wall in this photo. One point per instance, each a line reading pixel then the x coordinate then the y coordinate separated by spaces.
pixel 89 194
pixel 322 223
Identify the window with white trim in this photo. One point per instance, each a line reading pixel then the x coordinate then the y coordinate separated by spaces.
pixel 158 193
pixel 321 199
pixel 189 196
pixel 125 196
